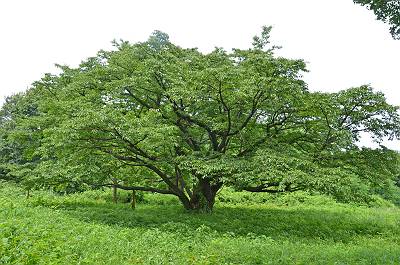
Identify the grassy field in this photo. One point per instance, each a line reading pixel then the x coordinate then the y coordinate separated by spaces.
pixel 88 228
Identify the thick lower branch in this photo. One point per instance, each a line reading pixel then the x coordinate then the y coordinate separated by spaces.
pixel 139 188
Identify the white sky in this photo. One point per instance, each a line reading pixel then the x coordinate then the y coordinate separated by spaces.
pixel 342 42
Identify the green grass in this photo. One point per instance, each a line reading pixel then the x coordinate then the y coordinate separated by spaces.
pixel 297 229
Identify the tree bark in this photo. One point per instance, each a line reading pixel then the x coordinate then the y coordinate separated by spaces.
pixel 203 198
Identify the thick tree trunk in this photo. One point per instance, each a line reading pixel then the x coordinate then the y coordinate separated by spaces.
pixel 199 202
pixel 203 197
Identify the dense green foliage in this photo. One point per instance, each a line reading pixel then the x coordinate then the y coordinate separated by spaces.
pixel 88 228
pixel 387 11
pixel 156 117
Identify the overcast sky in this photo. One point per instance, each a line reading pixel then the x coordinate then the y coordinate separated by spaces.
pixel 343 44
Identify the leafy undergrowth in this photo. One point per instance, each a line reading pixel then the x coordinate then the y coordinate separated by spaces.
pixel 298 229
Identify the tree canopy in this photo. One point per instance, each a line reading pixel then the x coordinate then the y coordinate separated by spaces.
pixel 156 117
pixel 386 10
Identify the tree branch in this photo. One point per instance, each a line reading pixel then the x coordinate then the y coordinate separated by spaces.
pixel 149 189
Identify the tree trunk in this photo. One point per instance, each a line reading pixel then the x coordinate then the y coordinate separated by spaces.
pixel 203 198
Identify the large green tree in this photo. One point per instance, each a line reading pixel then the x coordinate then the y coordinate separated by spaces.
pixel 156 117
pixel 17 145
pixel 387 11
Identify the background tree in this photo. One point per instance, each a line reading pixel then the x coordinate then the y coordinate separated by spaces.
pixel 18 140
pixel 386 10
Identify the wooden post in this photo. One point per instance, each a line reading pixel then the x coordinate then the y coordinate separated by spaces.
pixel 115 195
pixel 133 200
